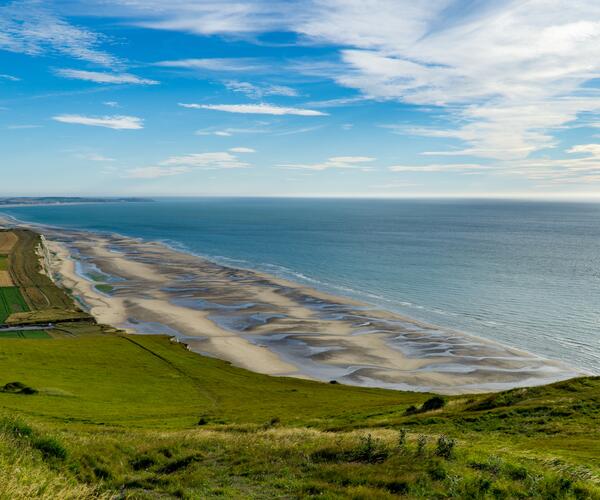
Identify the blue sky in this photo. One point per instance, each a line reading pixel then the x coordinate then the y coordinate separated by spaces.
pixel 313 98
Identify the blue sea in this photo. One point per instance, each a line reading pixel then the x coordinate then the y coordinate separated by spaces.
pixel 526 274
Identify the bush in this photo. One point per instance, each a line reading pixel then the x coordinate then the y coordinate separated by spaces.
pixel 434 403
pixel 50 447
pixel 370 450
pixel 18 388
pixel 142 462
pixel 402 438
pixel 16 428
pixel 445 447
pixel 421 444
pixel 411 410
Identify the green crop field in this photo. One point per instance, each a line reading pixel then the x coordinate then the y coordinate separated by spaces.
pixel 96 413
pixel 11 301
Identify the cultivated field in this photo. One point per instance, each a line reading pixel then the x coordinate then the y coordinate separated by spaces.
pixel 11 301
pixel 7 241
pixel 5 279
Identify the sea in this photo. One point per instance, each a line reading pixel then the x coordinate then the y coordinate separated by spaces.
pixel 525 274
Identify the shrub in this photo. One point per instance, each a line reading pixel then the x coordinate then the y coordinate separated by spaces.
pixel 445 447
pixel 142 462
pixel 370 450
pixel 16 428
pixel 402 438
pixel 50 447
pixel 437 472
pixel 434 403
pixel 411 410
pixel 421 444
pixel 18 388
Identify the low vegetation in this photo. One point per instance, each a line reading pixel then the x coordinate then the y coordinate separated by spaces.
pixel 109 415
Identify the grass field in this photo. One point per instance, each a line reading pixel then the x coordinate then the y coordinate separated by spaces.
pixel 145 414
pixel 109 415
pixel 11 301
pixel 3 262
pixel 25 334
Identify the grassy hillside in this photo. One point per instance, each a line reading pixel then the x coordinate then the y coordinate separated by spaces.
pixel 89 412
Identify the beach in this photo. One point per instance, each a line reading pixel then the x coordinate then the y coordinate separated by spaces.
pixel 273 326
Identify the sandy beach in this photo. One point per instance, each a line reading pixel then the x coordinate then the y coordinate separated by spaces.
pixel 273 326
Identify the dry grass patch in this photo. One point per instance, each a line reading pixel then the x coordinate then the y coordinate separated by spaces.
pixel 8 239
pixel 5 279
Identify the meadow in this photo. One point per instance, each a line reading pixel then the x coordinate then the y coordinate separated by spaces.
pixel 91 412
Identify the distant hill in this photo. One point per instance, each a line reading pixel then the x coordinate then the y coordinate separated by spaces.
pixel 61 200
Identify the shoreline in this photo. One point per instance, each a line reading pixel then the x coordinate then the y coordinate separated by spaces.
pixel 275 326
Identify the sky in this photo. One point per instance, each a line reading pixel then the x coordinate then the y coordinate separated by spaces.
pixel 370 98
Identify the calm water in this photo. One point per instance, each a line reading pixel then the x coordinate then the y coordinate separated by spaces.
pixel 525 274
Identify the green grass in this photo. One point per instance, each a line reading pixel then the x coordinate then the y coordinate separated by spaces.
pixel 143 413
pixel 11 301
pixel 25 334
pixel 148 381
pixel 3 263
pixel 104 288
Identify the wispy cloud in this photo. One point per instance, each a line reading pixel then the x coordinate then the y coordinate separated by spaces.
pixel 343 162
pixel 101 77
pixel 230 131
pixel 10 78
pixel 242 150
pixel 260 91
pixel 22 127
pixel 233 64
pixel 456 167
pixel 394 185
pixel 258 109
pixel 509 73
pixel 116 122
pixel 154 172
pixel 30 27
pixel 93 157
pixel 176 165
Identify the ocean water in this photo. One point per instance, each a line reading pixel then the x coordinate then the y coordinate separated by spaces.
pixel 526 274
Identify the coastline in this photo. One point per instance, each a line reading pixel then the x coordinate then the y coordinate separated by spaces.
pixel 275 326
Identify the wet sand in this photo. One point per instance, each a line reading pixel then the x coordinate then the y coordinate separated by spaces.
pixel 274 326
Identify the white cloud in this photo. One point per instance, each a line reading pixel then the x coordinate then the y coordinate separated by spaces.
pixel 154 172
pixel 100 77
pixel 239 64
pixel 111 104
pixel 458 167
pixel 10 78
pixel 115 122
pixel 93 157
pixel 343 162
pixel 207 160
pixel 242 150
pixel 259 109
pixel 22 127
pixel 394 185
pixel 176 165
pixel 29 27
pixel 258 92
pixel 230 131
